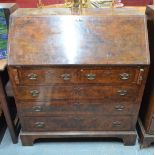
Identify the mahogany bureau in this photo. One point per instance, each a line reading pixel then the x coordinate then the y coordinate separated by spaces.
pixel 78 74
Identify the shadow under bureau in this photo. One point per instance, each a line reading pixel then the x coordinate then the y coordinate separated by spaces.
pixel 78 75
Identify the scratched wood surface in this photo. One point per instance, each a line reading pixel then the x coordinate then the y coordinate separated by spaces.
pixel 94 36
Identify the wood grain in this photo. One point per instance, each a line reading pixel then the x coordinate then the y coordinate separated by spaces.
pixel 78 68
pixel 57 37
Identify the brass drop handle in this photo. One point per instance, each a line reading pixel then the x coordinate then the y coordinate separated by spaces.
pixel 122 92
pixel 34 93
pixel 39 124
pixel 116 124
pixel 124 76
pixel 66 76
pixel 32 76
pixel 37 108
pixel 119 107
pixel 91 76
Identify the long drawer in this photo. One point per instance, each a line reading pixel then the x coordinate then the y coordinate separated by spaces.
pixel 67 107
pixel 119 93
pixel 58 75
pixel 77 123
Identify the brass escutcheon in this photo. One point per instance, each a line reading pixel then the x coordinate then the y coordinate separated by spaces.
pixel 39 124
pixel 66 76
pixel 122 92
pixel 124 76
pixel 34 93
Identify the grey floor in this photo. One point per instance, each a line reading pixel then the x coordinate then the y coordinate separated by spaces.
pixel 72 148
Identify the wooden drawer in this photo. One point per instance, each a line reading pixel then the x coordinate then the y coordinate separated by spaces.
pixel 67 107
pixel 119 93
pixel 113 75
pixel 57 75
pixel 77 123
pixel 45 92
pixel 113 93
pixel 33 76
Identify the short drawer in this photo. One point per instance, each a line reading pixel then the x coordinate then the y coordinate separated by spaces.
pixel 119 93
pixel 114 75
pixel 77 123
pixel 83 107
pixel 45 75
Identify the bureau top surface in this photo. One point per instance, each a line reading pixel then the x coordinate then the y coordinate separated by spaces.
pixel 65 37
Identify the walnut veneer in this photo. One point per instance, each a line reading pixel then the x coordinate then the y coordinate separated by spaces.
pixel 78 75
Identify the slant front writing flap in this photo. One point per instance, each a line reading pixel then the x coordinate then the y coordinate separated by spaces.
pixel 88 38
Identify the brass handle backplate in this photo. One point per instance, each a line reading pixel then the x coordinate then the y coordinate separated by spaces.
pixel 91 76
pixel 66 76
pixel 122 92
pixel 39 124
pixel 37 108
pixel 32 76
pixel 124 76
pixel 34 93
pixel 116 124
pixel 119 107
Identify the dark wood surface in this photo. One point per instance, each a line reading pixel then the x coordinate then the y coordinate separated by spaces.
pixel 149 91
pixel 84 39
pixel 49 76
pixel 7 114
pixel 99 107
pixel 8 9
pixel 145 139
pixel 77 123
pixel 147 108
pixel 90 85
pixel 128 137
pixel 46 93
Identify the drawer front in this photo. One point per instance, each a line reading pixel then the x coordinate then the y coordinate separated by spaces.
pixel 119 93
pixel 57 75
pixel 68 107
pixel 44 93
pixel 115 75
pixel 77 123
pixel 47 76
pixel 113 93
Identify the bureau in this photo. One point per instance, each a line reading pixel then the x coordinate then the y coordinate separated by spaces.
pixel 78 74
